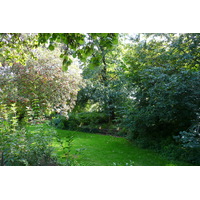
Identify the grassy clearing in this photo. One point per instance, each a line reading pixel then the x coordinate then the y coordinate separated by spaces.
pixel 104 150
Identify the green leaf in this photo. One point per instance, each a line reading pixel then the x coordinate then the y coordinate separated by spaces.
pixel 62 55
pixel 64 67
pixel 81 41
pixel 115 41
pixel 66 63
pixel 51 47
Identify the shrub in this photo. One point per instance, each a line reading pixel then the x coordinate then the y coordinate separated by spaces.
pixel 165 102
pixel 190 138
pixel 58 121
pixel 31 142
pixel 54 89
pixel 174 151
pixel 88 121
pixel 23 144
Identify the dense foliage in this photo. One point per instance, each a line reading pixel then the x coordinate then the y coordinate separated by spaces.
pixel 14 47
pixel 104 91
pixel 142 86
pixel 21 145
pixel 41 79
pixel 34 82
pixel 148 86
pixel 166 101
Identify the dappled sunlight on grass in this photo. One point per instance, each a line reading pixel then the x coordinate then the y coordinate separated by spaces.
pixel 104 150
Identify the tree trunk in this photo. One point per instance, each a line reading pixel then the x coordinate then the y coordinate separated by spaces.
pixel 2 159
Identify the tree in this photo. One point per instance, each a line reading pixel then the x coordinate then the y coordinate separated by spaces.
pixel 42 80
pixel 163 85
pixel 104 86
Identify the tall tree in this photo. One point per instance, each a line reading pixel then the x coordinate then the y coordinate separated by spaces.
pixel 163 84
pixel 102 73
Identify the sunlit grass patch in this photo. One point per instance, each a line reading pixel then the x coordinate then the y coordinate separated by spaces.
pixel 104 150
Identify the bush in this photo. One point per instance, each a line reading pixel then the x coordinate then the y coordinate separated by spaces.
pixel 187 146
pixel 178 152
pixel 58 121
pixel 190 138
pixel 87 121
pixel 165 102
pixel 23 144
pixel 29 143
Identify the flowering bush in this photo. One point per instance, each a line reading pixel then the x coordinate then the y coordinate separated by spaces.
pixel 55 89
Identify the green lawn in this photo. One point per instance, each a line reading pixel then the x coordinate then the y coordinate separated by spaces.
pixel 104 150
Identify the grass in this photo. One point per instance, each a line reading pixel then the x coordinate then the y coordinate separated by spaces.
pixel 103 150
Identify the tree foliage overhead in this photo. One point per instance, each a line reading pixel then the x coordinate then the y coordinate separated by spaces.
pixel 78 45
pixel 16 47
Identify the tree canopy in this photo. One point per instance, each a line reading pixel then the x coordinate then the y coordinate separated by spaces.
pixel 15 46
